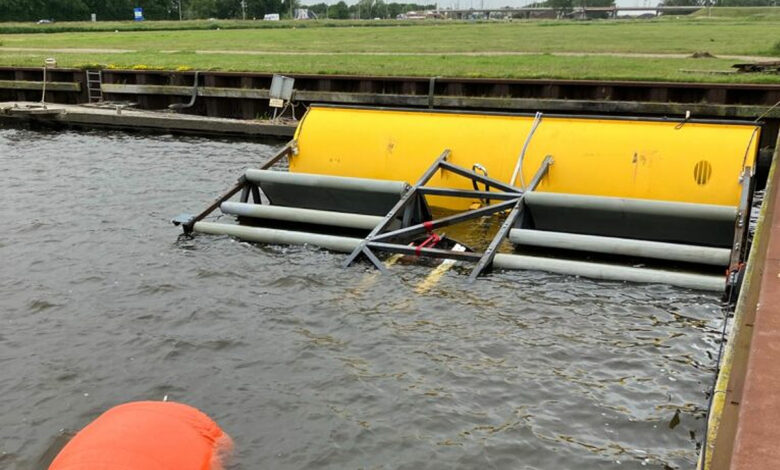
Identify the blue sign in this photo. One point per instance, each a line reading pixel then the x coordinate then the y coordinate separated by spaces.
pixel 138 14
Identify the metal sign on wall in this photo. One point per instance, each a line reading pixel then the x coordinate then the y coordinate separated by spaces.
pixel 281 90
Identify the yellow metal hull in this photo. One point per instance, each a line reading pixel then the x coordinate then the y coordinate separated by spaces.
pixel 662 160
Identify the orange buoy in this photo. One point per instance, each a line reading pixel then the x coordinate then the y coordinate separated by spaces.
pixel 147 435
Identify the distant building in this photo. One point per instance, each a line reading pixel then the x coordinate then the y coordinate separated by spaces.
pixel 419 15
pixel 304 14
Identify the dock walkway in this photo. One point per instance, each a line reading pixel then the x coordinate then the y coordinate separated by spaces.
pixel 758 426
pixel 118 116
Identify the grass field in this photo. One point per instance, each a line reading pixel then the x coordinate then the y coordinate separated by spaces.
pixel 625 49
pixel 750 13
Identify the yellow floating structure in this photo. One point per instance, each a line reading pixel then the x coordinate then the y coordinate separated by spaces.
pixel 667 190
pixel 667 160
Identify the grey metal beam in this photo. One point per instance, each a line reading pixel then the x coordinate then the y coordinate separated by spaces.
pixel 446 221
pixel 449 192
pixel 487 257
pixel 424 251
pixel 493 183
pixel 399 206
pixel 742 218
pixel 374 260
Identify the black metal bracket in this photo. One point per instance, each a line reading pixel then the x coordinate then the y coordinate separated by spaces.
pixel 739 247
pixel 185 220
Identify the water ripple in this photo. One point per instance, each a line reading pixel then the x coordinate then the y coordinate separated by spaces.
pixel 306 364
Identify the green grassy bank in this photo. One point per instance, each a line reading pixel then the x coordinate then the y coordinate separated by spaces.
pixel 605 49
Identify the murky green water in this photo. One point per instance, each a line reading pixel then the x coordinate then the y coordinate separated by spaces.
pixel 305 364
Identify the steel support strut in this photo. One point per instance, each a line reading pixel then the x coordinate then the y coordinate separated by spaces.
pixel 510 199
pixel 487 257
pixel 419 229
pixel 394 212
pixel 741 222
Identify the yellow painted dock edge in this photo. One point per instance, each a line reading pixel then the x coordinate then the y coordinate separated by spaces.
pixel 692 162
pixel 736 337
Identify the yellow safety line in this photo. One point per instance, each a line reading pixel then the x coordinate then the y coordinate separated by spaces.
pixel 368 281
pixel 433 278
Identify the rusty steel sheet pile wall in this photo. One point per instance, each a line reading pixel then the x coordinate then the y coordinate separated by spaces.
pixel 245 95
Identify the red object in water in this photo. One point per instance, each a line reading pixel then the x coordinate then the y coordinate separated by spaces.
pixel 147 435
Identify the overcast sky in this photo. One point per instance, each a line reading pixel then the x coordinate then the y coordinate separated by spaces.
pixel 487 3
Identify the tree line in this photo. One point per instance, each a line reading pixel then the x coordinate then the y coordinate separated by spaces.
pixel 366 9
pixel 70 10
pixel 118 10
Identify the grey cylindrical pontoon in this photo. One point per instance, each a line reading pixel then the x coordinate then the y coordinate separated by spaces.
pixel 642 219
pixel 298 215
pixel 278 237
pixel 326 181
pixel 330 193
pixel 611 272
pixel 622 246
pixel 645 207
pixel 501 261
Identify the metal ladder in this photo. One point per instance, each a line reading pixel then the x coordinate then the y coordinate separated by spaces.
pixel 94 86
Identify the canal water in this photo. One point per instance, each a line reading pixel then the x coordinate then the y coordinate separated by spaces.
pixel 306 364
